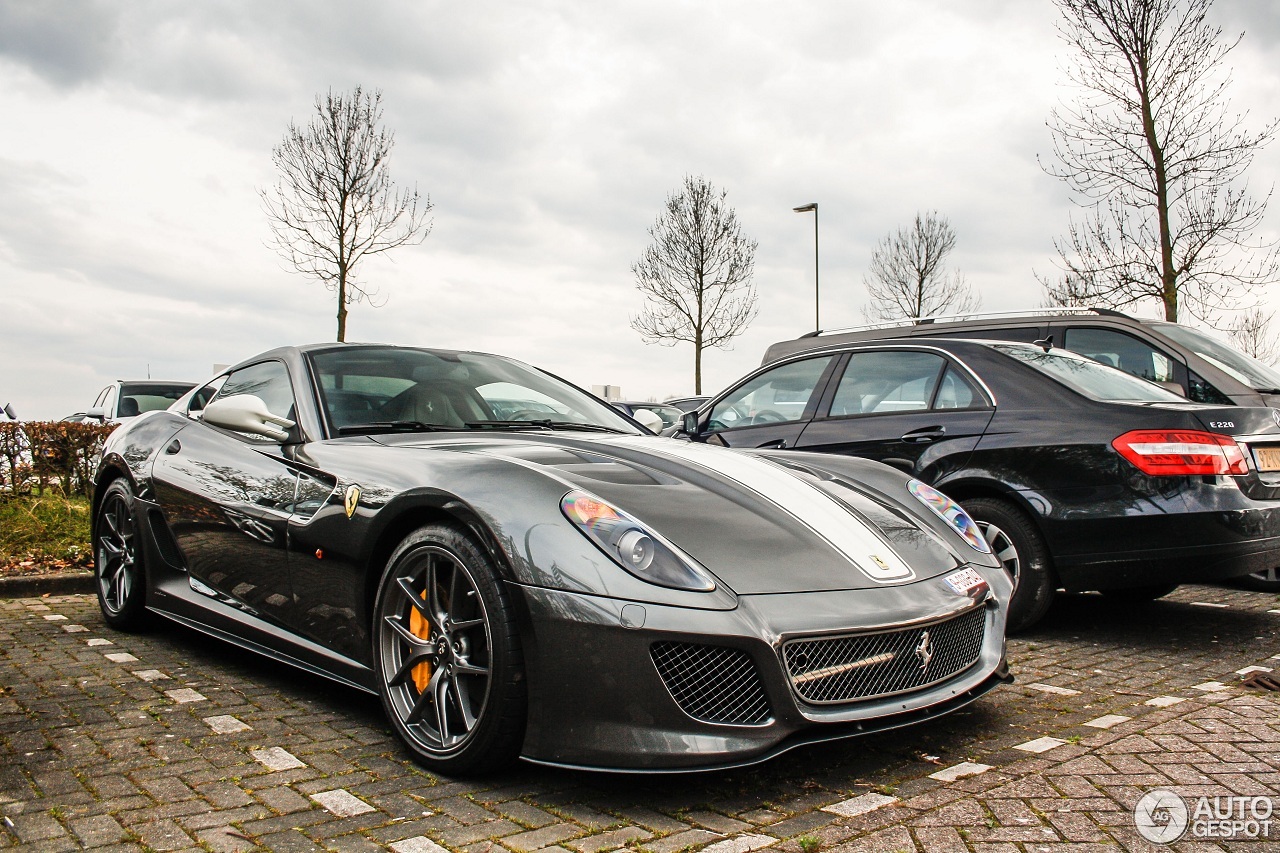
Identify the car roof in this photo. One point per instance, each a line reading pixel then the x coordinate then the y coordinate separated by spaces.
pixel 916 327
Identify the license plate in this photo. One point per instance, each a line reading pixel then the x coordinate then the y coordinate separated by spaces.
pixel 1268 458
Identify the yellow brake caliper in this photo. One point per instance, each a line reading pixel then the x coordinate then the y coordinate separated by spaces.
pixel 420 627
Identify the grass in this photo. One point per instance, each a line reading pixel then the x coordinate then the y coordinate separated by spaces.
pixel 44 532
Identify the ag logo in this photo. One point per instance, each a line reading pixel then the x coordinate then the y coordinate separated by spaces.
pixel 352 499
pixel 1161 817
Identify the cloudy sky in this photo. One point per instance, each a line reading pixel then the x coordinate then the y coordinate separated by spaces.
pixel 547 135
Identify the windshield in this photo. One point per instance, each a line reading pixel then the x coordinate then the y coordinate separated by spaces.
pixel 150 396
pixel 1088 377
pixel 369 386
pixel 1248 370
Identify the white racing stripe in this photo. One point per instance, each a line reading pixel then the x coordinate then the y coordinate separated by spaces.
pixel 805 502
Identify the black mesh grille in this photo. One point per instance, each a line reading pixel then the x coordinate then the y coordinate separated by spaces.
pixel 841 669
pixel 712 683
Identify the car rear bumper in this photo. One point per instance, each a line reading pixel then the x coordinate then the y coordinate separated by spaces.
pixel 1209 532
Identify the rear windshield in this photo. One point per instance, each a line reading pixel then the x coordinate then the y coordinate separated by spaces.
pixel 150 396
pixel 1088 377
pixel 1248 370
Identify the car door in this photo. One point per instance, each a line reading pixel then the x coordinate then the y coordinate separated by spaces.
pixel 917 410
pixel 228 498
pixel 771 407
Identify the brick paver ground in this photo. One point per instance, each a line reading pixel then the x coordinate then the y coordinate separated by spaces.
pixel 170 741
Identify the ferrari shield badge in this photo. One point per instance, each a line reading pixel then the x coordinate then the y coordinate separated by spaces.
pixel 352 499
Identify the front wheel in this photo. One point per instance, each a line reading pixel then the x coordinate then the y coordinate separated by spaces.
pixel 118 571
pixel 1018 545
pixel 447 653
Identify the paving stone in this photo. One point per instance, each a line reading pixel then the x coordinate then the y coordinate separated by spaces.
pixel 342 803
pixel 860 805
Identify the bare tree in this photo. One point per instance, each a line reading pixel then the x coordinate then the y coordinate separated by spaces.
pixel 908 277
pixel 1069 291
pixel 1152 151
pixel 335 204
pixel 1251 333
pixel 696 274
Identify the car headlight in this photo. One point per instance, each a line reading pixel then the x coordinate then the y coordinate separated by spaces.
pixel 630 545
pixel 952 513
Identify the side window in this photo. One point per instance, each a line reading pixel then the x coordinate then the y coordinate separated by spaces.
pixel 1120 350
pixel 201 398
pixel 775 396
pixel 267 380
pixel 109 400
pixel 957 391
pixel 101 399
pixel 1202 392
pixel 890 381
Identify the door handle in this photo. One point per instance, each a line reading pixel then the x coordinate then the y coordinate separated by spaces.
pixel 927 434
pixel 776 444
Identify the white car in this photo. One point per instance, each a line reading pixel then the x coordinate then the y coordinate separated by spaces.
pixel 121 401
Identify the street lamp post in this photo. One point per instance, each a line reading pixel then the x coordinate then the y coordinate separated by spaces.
pixel 817 325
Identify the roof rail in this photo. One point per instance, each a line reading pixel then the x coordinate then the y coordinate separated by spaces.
pixel 924 321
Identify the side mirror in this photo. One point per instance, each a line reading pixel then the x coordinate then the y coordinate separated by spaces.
pixel 689 424
pixel 247 413
pixel 647 419
pixel 97 413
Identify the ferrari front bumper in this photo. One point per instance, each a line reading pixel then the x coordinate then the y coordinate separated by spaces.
pixel 628 686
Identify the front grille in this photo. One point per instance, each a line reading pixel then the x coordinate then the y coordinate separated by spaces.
pixel 714 684
pixel 862 666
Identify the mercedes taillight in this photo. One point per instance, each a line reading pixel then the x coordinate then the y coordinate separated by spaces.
pixel 1176 452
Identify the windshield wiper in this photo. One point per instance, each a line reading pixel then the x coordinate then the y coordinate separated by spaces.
pixel 540 424
pixel 395 426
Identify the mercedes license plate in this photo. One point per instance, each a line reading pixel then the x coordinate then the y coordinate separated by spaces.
pixel 1268 458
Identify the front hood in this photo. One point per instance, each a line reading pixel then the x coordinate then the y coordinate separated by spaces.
pixel 761 526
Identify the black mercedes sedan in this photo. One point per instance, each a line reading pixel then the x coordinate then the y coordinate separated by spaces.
pixel 1080 476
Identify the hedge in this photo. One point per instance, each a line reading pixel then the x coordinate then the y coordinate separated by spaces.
pixel 36 456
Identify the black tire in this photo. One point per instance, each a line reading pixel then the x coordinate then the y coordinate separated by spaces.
pixel 447 654
pixel 1018 544
pixel 119 572
pixel 1264 581
pixel 1136 594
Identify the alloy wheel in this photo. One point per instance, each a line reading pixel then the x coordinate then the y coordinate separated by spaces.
pixel 1004 549
pixel 117 559
pixel 435 641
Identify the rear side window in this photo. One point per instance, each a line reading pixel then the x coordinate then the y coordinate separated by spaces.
pixel 775 396
pixel 893 381
pixel 1123 351
pixel 1088 377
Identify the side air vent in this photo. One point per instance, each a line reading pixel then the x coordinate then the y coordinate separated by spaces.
pixel 714 684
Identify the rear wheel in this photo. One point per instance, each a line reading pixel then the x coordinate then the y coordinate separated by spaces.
pixel 448 658
pixel 1017 543
pixel 118 571
pixel 1264 581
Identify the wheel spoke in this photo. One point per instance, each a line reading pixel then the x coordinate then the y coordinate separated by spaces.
pixel 1008 555
pixel 440 691
pixel 406 668
pixel 465 668
pixel 464 703
pixel 467 623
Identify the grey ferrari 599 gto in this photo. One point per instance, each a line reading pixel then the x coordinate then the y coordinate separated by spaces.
pixel 518 569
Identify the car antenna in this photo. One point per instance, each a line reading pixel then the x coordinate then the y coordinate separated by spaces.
pixel 1045 344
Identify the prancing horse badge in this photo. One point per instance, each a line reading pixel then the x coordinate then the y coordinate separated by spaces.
pixel 352 499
